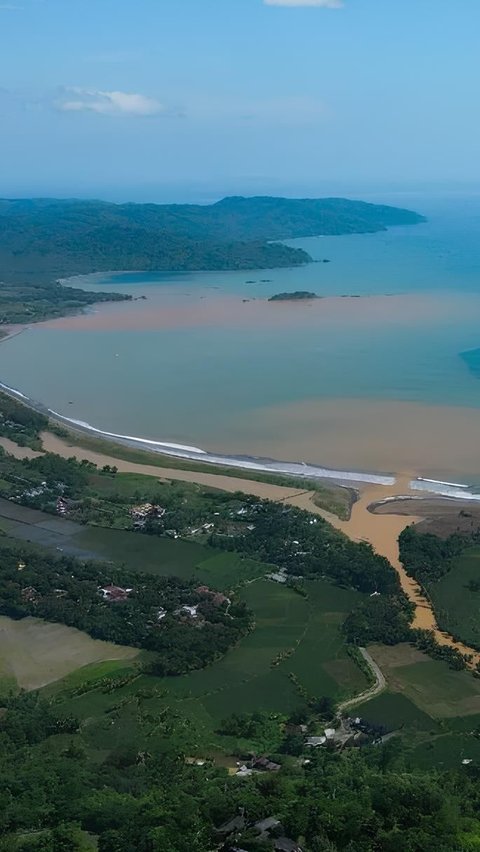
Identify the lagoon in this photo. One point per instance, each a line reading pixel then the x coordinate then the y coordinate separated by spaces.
pixel 369 377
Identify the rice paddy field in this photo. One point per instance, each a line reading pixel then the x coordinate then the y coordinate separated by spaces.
pixel 296 650
pixel 435 709
pixel 251 678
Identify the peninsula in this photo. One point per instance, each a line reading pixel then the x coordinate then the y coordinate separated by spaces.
pixel 44 240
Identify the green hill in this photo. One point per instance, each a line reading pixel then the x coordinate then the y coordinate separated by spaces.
pixel 42 240
pixel 58 237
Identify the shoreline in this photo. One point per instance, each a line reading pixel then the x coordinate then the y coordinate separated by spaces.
pixel 167 449
pixel 381 531
pixel 254 464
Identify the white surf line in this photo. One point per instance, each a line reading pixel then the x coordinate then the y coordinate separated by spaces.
pixel 14 391
pixel 443 489
pixel 441 482
pixel 85 425
pixel 298 469
pixel 454 490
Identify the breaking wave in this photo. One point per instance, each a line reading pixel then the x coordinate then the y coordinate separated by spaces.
pixel 456 491
pixel 297 469
pixel 300 470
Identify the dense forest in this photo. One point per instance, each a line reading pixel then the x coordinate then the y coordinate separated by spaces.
pixel 34 300
pixel 434 562
pixel 60 795
pixel 44 240
pixel 427 557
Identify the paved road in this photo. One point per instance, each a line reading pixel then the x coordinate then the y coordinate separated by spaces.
pixel 379 685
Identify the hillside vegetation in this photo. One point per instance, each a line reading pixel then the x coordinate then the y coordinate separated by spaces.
pixel 61 237
pixel 42 240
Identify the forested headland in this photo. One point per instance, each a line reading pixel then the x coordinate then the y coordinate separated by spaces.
pixel 43 240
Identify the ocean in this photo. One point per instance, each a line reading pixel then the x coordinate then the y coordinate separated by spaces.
pixel 380 375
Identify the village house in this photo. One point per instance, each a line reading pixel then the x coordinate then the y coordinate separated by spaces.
pixel 279 576
pixel 185 609
pixel 62 506
pixel 315 742
pixel 115 594
pixel 29 594
pixel 172 533
pixel 216 598
pixel 265 765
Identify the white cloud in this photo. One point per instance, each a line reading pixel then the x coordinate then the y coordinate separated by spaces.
pixel 108 103
pixel 324 4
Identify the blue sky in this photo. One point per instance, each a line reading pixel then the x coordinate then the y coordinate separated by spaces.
pixel 128 98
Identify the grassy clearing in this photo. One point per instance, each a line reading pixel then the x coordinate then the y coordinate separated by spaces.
pixel 456 605
pixel 430 684
pixel 396 711
pixel 439 690
pixel 166 556
pixel 35 653
pixel 92 673
pixel 446 752
pixel 227 570
pixel 149 554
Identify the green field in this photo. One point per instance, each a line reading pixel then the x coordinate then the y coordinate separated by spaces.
pixel 432 686
pixel 446 752
pixel 458 607
pixel 167 556
pixel 244 681
pixel 149 554
pixel 436 710
pixel 396 712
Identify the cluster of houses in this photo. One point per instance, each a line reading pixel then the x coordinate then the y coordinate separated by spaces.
pixel 191 611
pixel 145 512
pixel 36 491
pixel 269 830
pixel 350 733
pixel 256 764
pixel 279 576
pixel 116 594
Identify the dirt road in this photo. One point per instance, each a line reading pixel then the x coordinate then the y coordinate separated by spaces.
pixel 379 685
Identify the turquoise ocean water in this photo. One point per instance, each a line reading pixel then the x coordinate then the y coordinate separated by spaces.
pixel 193 385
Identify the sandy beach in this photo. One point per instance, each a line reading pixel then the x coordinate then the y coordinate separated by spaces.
pixel 380 530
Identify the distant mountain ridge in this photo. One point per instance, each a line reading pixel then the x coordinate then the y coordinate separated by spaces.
pixel 55 238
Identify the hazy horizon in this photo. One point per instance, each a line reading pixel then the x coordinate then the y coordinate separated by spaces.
pixel 170 102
